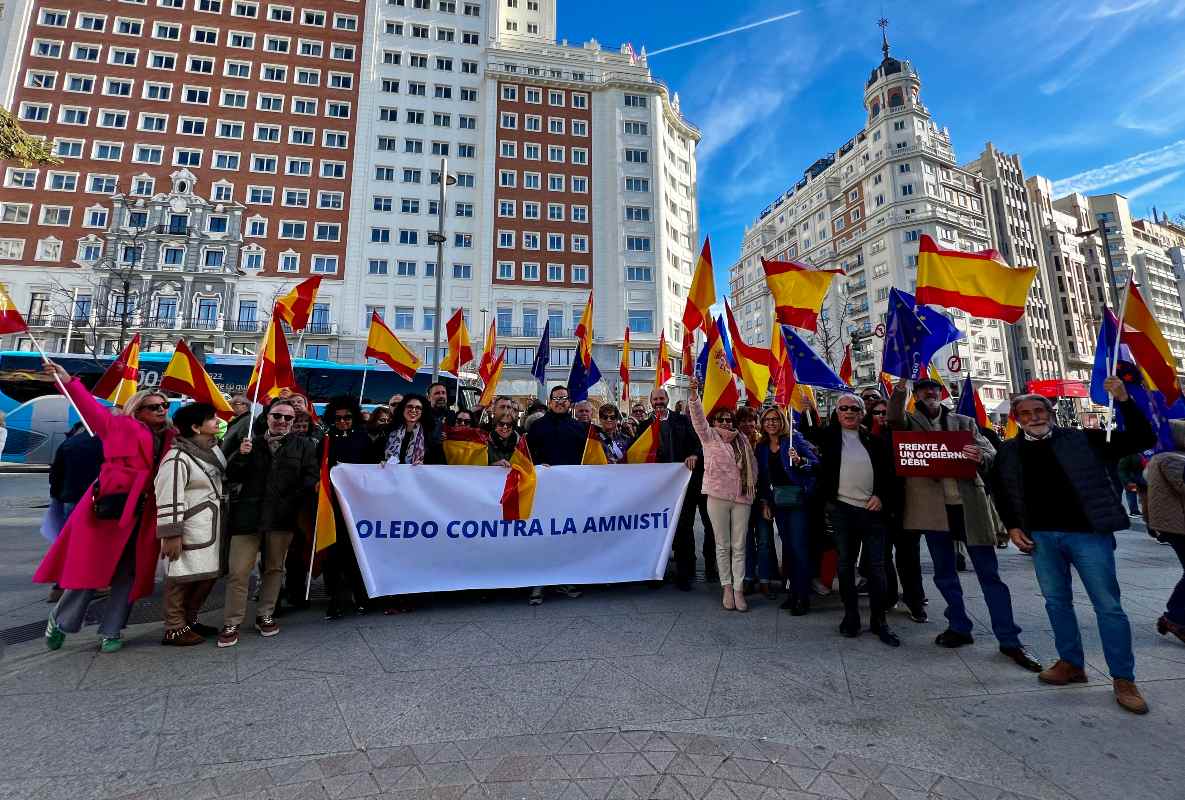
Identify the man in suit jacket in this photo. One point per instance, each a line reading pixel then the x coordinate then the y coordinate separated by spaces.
pixel 677 442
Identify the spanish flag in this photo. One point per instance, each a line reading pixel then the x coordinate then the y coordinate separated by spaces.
pixel 688 356
pixel 798 291
pixel 662 369
pixel 845 369
pixel 325 531
pixel 296 306
pixel 781 367
pixel 623 369
pixel 186 375
pixel 518 494
pixel 485 367
pixel 466 447
pixel 978 283
pixel 11 320
pixel 594 450
pixel 644 449
pixel 273 365
pixel 887 384
pixel 491 385
pixel 1143 337
pixel 702 294
pixel 118 383
pixel 1011 430
pixel 460 352
pixel 384 345
pixel 719 389
pixel 753 362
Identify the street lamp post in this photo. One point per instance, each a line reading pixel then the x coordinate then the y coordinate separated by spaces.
pixel 1101 230
pixel 438 239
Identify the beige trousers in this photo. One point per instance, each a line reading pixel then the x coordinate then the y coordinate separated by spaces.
pixel 244 549
pixel 730 524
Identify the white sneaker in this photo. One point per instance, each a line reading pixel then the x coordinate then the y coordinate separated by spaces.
pixel 819 588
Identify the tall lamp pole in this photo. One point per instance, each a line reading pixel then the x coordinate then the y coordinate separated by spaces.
pixel 438 239
pixel 1101 230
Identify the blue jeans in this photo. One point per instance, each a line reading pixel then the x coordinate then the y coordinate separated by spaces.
pixel 1093 556
pixel 941 545
pixel 1175 609
pixel 795 533
pixel 760 558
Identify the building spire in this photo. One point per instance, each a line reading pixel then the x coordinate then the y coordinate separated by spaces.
pixel 883 24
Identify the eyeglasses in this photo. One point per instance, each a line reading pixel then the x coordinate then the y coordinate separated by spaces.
pixel 723 420
pixel 283 417
pixel 771 421
pixel 417 409
pixel 881 413
pixel 849 409
pixel 559 399
pixel 463 422
pixel 343 417
pixel 154 406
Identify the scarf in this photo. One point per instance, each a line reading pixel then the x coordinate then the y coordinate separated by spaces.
pixel 742 454
pixel 414 453
pixel 212 457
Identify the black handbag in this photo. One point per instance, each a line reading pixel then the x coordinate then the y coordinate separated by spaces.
pixel 789 496
pixel 109 506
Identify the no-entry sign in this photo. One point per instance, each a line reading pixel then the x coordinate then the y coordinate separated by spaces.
pixel 933 455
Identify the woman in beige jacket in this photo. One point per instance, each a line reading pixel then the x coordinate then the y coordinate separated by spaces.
pixel 189 522
pixel 1165 512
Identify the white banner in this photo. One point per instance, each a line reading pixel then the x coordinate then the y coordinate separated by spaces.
pixel 438 528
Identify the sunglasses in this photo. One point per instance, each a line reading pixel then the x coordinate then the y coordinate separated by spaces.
pixel 343 417
pixel 724 420
pixel 849 409
pixel 417 409
pixel 559 399
pixel 881 413
pixel 154 406
pixel 463 422
pixel 283 417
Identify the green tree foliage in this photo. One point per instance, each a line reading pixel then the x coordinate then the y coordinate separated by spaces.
pixel 16 145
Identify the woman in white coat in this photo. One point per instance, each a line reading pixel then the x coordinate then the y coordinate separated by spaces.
pixel 189 521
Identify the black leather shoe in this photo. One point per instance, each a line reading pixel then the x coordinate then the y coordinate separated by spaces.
pixel 1023 658
pixel 949 638
pixel 683 584
pixel 801 608
pixel 886 635
pixel 919 614
pixel 788 604
pixel 850 628
pixel 333 613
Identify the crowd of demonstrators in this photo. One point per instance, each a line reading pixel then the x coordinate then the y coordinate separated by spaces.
pixel 141 489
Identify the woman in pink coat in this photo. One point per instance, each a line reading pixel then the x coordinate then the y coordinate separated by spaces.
pixel 110 538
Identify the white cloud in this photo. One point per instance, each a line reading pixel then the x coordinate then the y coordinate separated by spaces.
pixel 1153 185
pixel 1107 10
pixel 1148 163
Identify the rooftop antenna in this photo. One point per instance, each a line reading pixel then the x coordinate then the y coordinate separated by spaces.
pixel 883 24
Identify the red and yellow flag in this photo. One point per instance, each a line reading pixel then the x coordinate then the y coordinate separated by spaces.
pixel 485 368
pixel 296 306
pixel 845 369
pixel 594 450
pixel 702 294
pixel 887 384
pixel 186 375
pixel 1142 335
pixel 798 291
pixel 584 335
pixel 623 369
pixel 662 369
pixel 688 365
pixel 978 283
pixel 11 320
pixel 273 365
pixel 719 389
pixel 118 383
pixel 384 345
pixel 752 362
pixel 644 449
pixel 781 366
pixel 491 382
pixel 466 446
pixel 325 531
pixel 518 494
pixel 460 352
pixel 1011 429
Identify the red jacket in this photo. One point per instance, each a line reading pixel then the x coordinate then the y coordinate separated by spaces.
pixel 84 556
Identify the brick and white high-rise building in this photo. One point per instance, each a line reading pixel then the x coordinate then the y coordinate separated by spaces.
pixel 863 208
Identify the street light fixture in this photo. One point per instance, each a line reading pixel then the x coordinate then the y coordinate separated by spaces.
pixel 1101 230
pixel 438 240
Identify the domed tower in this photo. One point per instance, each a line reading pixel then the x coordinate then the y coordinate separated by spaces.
pixel 893 86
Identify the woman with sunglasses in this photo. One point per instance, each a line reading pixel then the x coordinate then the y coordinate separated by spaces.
pixel 786 480
pixel 730 483
pixel 412 439
pixel 110 538
pixel 613 437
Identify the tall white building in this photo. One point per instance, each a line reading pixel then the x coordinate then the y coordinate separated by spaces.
pixel 863 208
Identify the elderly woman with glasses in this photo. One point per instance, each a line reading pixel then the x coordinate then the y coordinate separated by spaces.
pixel 613 438
pixel 730 483
pixel 110 538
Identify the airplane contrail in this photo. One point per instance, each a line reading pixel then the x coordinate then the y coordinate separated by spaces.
pixel 728 32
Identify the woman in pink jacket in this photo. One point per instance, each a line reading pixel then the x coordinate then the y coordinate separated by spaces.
pixel 110 538
pixel 730 482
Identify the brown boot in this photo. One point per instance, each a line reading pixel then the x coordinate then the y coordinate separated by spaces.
pixel 1062 673
pixel 182 637
pixel 1128 696
pixel 1165 626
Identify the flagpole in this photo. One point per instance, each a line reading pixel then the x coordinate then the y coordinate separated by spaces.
pixel 308 584
pixel 362 391
pixel 1115 353
pixel 258 380
pixel 58 381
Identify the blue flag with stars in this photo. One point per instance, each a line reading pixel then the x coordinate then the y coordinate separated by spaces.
pixel 905 338
pixel 581 380
pixel 542 355
pixel 809 368
pixel 942 330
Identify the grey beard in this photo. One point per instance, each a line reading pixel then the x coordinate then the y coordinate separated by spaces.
pixel 931 408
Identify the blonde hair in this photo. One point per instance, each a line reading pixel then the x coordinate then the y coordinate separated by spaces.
pixel 784 426
pixel 135 401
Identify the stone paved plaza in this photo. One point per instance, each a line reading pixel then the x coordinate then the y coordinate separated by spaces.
pixel 624 693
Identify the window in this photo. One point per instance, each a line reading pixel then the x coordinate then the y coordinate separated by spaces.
pixel 290 229
pixel 325 264
pixel 637 244
pixel 462 271
pixel 505 272
pixel 404 319
pixel 635 101
pixel 641 320
pixel 375 266
pixel 555 273
pixel 380 235
pixel 409 236
pixel 555 212
pixel 289 262
pixel 330 200
pixel 637 156
pixel 531 180
pixel 555 97
pixel 47 49
pixel 637 184
pixel 227 161
pixel 406 269
pixel 639 274
pixel 530 273
pixel 555 242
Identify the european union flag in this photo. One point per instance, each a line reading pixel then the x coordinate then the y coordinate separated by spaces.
pixel 942 330
pixel 809 369
pixel 542 355
pixel 905 338
pixel 701 362
pixel 1150 402
pixel 579 380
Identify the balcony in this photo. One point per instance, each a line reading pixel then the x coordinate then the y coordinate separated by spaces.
pixel 320 328
pixel 166 323
pixel 241 326
pixel 554 332
pixel 202 323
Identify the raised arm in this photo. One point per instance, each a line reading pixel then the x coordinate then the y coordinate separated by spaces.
pixel 94 413
pixel 896 410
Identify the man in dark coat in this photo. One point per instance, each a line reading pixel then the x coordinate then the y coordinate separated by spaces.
pixel 677 443
pixel 556 438
pixel 1054 491
pixel 277 472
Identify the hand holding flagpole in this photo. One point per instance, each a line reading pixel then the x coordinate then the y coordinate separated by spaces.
pixel 60 376
pixel 1115 354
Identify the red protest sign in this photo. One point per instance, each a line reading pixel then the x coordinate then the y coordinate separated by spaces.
pixel 933 455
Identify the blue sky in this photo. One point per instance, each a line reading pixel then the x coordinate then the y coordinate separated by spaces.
pixel 1091 93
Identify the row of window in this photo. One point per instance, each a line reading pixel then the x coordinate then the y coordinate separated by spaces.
pixel 412 205
pixel 445 6
pixel 530 271
pixel 443 35
pixel 147 122
pixel 78 83
pixel 228 98
pixel 440 91
pixel 532 240
pixel 533 95
pixel 245 9
pixel 508 179
pixel 193 158
pixel 129 56
pixel 411 237
pixel 389 144
pixel 465 122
